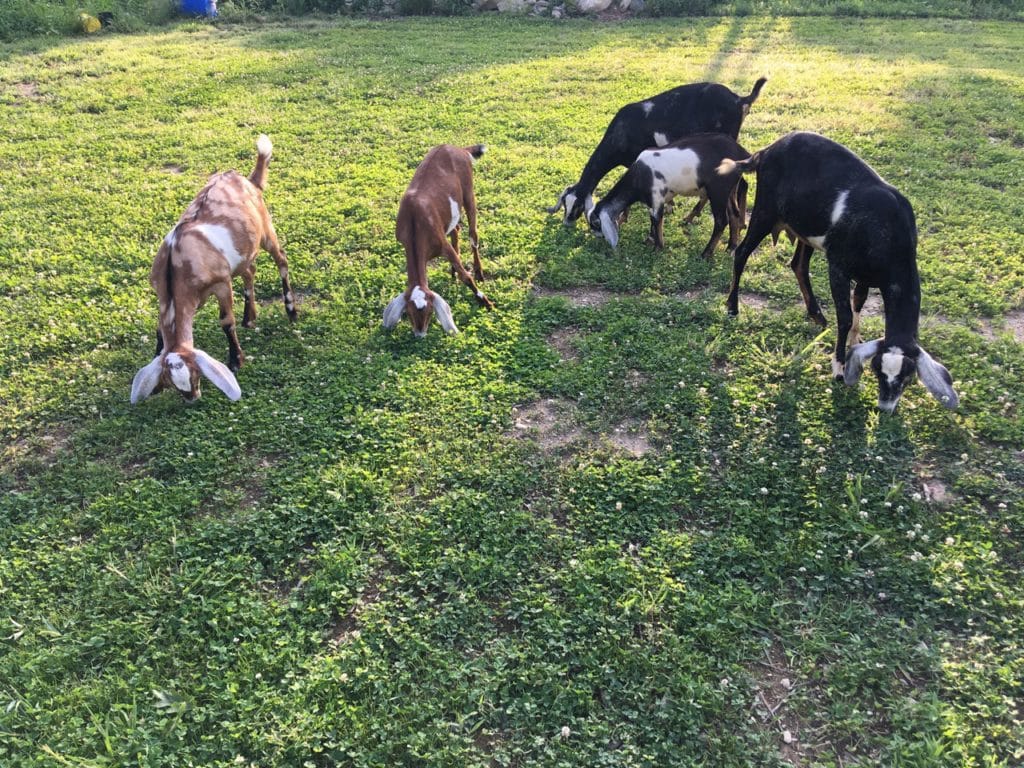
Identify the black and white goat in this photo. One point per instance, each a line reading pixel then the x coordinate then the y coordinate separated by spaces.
pixel 657 122
pixel 429 212
pixel 218 237
pixel 687 167
pixel 835 202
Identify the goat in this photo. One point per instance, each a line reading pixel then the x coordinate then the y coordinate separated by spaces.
pixel 217 238
pixel 429 212
pixel 657 122
pixel 685 167
pixel 835 202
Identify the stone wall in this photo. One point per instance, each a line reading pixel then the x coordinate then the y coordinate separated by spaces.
pixel 560 8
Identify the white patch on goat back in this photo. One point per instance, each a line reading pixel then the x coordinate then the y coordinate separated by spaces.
pixel 678 167
pixel 220 238
pixel 892 363
pixel 660 139
pixel 647 107
pixel 418 297
pixel 180 376
pixel 455 216
pixel 840 206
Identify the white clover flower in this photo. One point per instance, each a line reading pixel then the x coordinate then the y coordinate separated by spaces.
pixel 915 556
pixel 916 497
pixel 764 491
pixel 949 541
pixel 566 732
pixel 618 506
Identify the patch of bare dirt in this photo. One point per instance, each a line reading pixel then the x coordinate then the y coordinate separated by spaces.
pixel 27 91
pixel 562 342
pixel 775 681
pixel 552 423
pixel 631 437
pixel 1015 323
pixel 346 628
pixel 690 295
pixel 579 297
pixel 44 447
pixel 755 301
pixel 636 379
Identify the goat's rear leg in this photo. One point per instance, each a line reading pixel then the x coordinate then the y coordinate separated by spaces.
pixel 801 268
pixel 464 276
pixel 453 236
pixel 657 234
pixel 271 244
pixel 716 233
pixel 248 293
pixel 474 236
pixel 227 322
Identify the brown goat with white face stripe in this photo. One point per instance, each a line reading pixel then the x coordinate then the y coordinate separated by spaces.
pixel 430 211
pixel 217 238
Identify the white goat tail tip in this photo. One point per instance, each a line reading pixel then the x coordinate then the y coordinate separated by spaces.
pixel 263 145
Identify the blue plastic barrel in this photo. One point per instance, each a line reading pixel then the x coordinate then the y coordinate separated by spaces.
pixel 199 7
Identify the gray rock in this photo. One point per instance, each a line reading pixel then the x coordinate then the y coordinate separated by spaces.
pixel 593 6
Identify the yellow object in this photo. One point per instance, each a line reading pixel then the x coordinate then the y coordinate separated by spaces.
pixel 89 24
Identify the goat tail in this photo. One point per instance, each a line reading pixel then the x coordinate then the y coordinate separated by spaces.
pixel 748 100
pixel 265 150
pixel 729 165
pixel 476 151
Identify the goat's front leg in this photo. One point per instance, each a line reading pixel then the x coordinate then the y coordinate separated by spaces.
pixel 657 235
pixel 840 285
pixel 271 245
pixel 464 276
pixel 760 227
pixel 159 342
pixel 248 293
pixel 860 295
pixel 227 321
pixel 801 268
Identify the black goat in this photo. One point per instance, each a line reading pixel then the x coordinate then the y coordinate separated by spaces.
pixel 835 202
pixel 686 167
pixel 657 122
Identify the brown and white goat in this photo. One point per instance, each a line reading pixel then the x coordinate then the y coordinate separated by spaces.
pixel 216 239
pixel 430 212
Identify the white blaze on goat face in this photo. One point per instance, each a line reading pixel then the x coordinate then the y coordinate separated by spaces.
pixel 418 297
pixel 180 376
pixel 660 139
pixel 840 206
pixel 892 363
pixel 220 238
pixel 455 216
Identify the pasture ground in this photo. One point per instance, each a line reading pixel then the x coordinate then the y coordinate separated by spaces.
pixel 605 524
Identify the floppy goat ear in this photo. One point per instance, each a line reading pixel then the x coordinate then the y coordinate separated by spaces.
pixel 609 230
pixel 393 311
pixel 859 355
pixel 937 380
pixel 219 374
pixel 146 379
pixel 561 202
pixel 444 314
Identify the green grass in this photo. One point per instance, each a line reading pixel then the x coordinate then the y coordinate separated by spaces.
pixel 364 562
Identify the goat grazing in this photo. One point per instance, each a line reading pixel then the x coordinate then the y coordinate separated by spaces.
pixel 835 202
pixel 657 122
pixel 217 238
pixel 430 212
pixel 686 167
